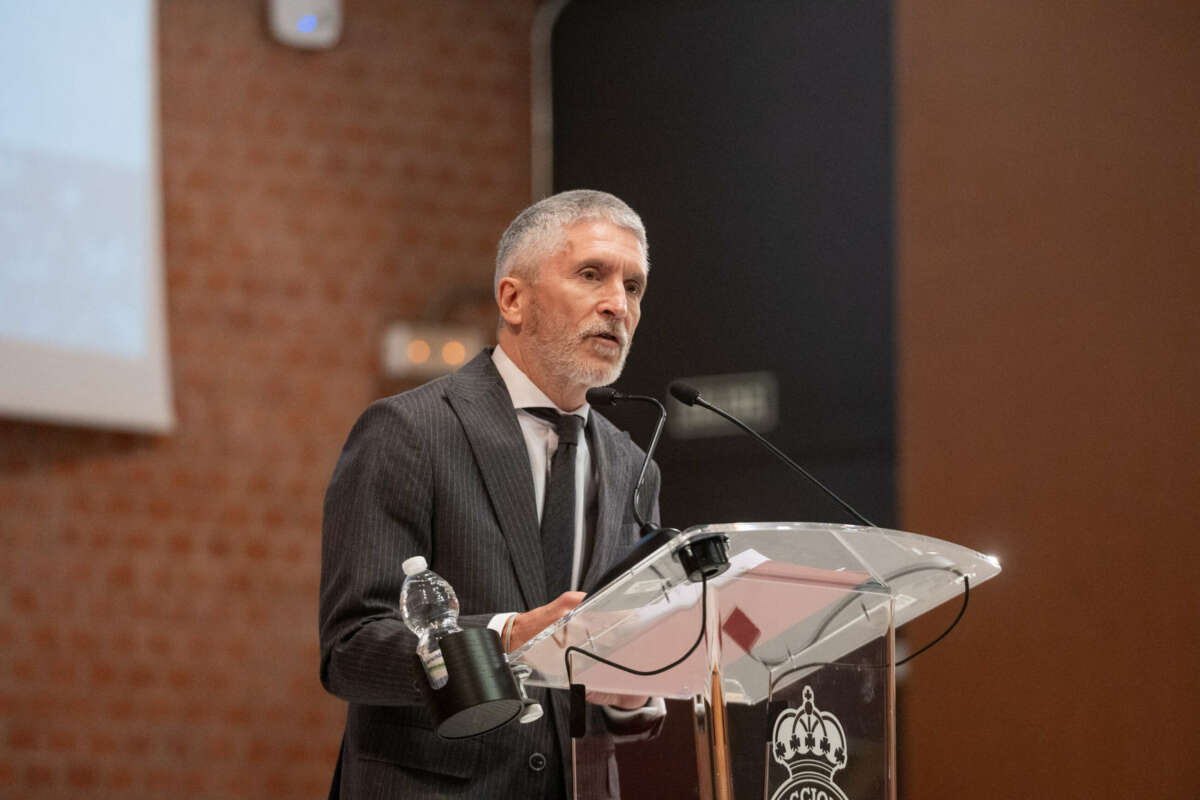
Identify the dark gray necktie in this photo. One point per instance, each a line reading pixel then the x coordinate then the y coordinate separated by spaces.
pixel 558 507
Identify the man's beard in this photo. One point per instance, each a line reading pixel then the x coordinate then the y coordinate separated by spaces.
pixel 558 347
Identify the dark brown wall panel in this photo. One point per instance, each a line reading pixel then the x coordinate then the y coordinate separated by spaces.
pixel 1049 343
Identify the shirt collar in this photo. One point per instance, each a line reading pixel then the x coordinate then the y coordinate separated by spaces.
pixel 524 392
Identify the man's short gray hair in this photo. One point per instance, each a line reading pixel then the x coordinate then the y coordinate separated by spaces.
pixel 540 230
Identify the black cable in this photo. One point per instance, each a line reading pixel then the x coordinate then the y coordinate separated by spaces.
pixel 886 579
pixel 942 635
pixel 774 681
pixel 966 596
pixel 672 665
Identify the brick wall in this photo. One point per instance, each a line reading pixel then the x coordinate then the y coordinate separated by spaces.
pixel 158 594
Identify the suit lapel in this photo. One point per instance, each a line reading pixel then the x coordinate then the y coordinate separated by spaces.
pixel 479 398
pixel 615 473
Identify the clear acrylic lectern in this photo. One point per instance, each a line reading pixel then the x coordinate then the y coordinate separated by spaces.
pixel 792 688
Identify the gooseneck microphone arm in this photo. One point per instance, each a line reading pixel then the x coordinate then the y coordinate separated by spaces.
pixel 690 396
pixel 607 396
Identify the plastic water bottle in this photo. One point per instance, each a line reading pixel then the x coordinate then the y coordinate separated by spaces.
pixel 430 610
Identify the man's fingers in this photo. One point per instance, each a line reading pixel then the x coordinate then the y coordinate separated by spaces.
pixel 567 601
pixel 527 625
pixel 625 701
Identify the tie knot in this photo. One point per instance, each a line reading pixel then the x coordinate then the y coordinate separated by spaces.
pixel 567 426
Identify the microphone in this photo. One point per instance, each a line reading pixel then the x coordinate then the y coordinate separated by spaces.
pixel 608 396
pixel 603 396
pixel 690 396
pixel 653 536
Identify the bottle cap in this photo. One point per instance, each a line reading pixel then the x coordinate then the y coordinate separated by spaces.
pixel 414 565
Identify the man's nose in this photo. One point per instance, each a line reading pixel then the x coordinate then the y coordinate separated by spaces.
pixel 614 302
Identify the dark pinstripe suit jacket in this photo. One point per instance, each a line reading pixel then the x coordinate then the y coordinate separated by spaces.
pixel 442 471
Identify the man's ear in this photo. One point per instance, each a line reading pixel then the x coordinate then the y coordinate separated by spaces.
pixel 511 296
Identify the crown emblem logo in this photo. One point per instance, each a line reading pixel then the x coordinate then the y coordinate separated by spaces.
pixel 811 745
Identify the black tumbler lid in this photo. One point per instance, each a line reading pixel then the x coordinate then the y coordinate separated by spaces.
pixel 480 694
pixel 479 718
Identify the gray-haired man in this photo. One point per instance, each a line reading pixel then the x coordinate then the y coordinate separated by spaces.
pixel 468 471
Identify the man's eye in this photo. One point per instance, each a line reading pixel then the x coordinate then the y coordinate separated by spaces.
pixel 634 288
pixel 590 274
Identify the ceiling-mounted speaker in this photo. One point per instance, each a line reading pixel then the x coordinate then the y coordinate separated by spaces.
pixel 311 24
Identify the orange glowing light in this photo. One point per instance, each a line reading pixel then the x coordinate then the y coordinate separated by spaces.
pixel 453 352
pixel 418 351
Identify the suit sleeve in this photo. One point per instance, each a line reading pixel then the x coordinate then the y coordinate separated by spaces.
pixel 378 512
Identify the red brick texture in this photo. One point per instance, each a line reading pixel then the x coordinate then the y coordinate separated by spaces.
pixel 158 594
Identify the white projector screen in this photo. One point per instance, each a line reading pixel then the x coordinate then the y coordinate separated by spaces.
pixel 82 330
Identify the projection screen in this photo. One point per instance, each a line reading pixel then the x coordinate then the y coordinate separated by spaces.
pixel 82 328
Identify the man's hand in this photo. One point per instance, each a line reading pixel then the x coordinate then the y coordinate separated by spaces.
pixel 527 625
pixel 627 702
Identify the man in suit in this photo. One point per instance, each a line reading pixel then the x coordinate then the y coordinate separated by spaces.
pixel 459 471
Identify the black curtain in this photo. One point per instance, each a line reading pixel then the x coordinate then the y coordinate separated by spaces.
pixel 755 138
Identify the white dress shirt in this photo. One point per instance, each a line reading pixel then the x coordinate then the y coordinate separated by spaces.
pixel 541 440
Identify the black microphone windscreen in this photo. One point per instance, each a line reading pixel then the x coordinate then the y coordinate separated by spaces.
pixel 602 396
pixel 688 395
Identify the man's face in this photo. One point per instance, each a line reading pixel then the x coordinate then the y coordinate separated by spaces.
pixel 585 303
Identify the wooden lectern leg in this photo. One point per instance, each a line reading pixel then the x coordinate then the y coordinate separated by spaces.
pixel 712 743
